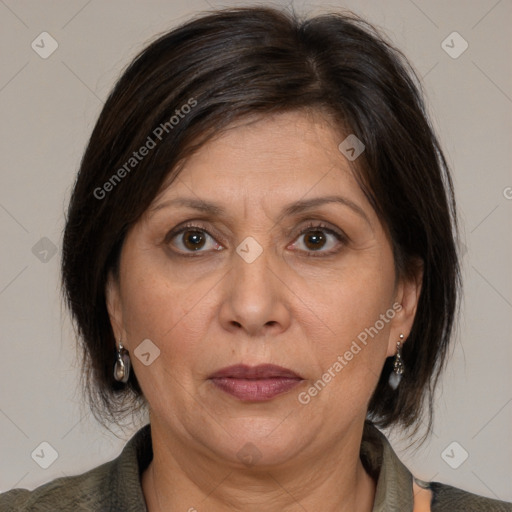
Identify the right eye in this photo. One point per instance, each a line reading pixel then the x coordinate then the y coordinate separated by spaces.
pixel 192 239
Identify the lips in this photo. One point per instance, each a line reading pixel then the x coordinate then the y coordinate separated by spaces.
pixel 262 371
pixel 255 383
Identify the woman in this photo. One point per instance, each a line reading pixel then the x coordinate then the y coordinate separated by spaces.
pixel 261 248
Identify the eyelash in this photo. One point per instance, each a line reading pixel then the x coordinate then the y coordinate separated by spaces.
pixel 310 227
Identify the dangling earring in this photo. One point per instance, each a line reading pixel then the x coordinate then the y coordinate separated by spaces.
pixel 123 364
pixel 398 366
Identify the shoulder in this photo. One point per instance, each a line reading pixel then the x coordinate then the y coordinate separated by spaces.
pixel 88 491
pixel 452 499
pixel 115 485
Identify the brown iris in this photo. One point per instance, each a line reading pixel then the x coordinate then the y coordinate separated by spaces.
pixel 193 239
pixel 316 238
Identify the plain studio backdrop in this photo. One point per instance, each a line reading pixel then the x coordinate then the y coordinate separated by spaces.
pixel 59 62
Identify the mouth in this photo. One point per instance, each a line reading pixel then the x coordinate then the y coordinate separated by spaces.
pixel 255 383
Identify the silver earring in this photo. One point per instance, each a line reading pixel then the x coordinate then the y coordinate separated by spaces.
pixel 123 364
pixel 398 366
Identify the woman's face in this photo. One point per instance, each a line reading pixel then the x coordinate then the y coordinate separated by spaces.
pixel 241 285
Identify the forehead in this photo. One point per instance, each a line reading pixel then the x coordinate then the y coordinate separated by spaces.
pixel 267 161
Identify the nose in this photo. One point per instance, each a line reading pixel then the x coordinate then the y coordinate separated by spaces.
pixel 256 298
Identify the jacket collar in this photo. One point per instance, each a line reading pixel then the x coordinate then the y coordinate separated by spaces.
pixel 394 480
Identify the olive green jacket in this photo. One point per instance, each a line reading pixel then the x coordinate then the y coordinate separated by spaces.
pixel 116 485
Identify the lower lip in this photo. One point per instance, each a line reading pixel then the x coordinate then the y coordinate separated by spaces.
pixel 255 390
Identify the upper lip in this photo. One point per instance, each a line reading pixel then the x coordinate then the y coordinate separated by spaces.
pixel 262 371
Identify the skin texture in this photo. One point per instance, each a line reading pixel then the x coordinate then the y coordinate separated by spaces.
pixel 215 309
pixel 422 498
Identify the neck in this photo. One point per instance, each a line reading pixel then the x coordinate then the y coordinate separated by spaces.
pixel 181 479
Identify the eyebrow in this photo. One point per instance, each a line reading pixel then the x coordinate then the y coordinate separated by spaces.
pixel 290 209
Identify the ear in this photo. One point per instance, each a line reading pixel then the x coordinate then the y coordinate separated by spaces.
pixel 114 306
pixel 407 295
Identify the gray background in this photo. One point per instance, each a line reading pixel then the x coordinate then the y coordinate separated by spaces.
pixel 48 109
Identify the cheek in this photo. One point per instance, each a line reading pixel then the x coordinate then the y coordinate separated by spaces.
pixel 352 297
pixel 171 312
pixel 154 310
pixel 154 300
pixel 348 326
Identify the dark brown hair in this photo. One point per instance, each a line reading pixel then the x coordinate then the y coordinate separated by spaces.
pixel 230 64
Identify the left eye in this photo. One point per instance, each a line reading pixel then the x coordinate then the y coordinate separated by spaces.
pixel 315 238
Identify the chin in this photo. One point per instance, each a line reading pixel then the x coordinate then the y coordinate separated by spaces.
pixel 257 442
